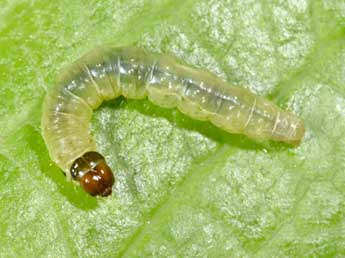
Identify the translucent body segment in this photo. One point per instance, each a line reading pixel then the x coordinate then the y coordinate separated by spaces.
pixel 63 101
pixel 111 59
pixel 262 119
pixel 192 99
pixel 235 112
pixel 133 68
pixel 132 79
pixel 98 68
pixel 76 80
pixel 68 136
pixel 163 83
pixel 74 145
pixel 204 96
pixel 197 97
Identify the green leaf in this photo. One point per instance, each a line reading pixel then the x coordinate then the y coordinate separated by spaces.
pixel 184 188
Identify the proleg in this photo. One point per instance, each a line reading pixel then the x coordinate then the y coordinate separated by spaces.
pixel 106 73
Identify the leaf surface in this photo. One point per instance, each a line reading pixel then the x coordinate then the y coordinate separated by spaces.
pixel 184 188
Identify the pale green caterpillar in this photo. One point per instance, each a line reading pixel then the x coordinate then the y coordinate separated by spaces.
pixel 106 73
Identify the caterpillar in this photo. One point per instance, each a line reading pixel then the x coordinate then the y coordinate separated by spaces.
pixel 108 72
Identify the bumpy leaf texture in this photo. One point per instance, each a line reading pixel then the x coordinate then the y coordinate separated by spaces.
pixel 184 188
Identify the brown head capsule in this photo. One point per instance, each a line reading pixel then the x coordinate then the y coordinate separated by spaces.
pixel 93 174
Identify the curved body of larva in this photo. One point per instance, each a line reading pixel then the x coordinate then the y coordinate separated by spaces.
pixel 106 73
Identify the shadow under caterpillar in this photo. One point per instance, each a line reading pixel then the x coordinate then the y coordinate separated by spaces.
pixel 106 73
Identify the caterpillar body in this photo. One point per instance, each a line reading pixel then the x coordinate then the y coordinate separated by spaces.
pixel 106 73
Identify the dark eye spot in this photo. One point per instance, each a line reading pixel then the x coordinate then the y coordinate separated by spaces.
pixel 79 168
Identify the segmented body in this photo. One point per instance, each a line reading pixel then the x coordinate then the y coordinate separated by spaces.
pixel 106 73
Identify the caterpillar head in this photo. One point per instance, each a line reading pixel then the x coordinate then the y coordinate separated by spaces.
pixel 93 174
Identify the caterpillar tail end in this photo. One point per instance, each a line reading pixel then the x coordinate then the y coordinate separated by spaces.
pixel 93 174
pixel 295 133
pixel 300 131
